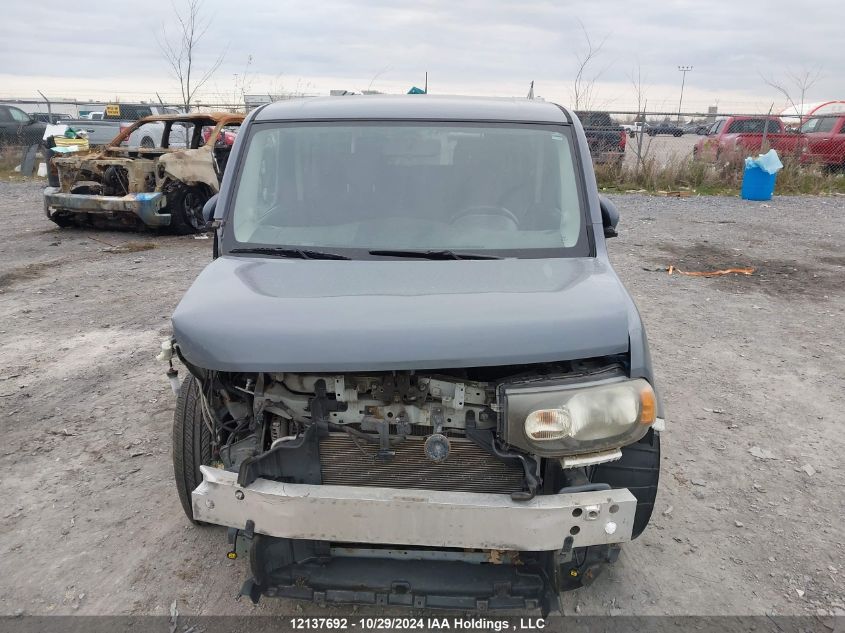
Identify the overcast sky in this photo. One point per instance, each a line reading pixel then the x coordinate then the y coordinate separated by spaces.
pixel 492 47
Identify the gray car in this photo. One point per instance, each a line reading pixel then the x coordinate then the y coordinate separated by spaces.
pixel 413 376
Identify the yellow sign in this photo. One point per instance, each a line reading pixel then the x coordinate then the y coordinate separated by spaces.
pixel 112 110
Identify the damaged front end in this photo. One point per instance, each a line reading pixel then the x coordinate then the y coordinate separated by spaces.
pixel 159 183
pixel 414 488
pixel 122 189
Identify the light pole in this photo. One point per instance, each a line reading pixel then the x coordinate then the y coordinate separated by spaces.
pixel 684 70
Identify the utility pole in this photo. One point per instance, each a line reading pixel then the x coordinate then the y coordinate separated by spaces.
pixel 684 70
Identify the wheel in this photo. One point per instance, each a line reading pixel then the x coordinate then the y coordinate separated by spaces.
pixel 185 205
pixel 677 134
pixel 652 133
pixel 638 471
pixel 191 443
pixel 147 143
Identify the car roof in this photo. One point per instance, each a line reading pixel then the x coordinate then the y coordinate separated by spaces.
pixel 414 107
pixel 216 117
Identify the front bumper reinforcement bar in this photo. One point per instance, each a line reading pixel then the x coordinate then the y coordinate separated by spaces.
pixel 415 517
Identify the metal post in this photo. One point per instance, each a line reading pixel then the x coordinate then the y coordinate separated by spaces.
pixel 684 70
pixel 640 136
pixel 49 109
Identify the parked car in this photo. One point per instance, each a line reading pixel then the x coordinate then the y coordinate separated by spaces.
pixel 663 127
pixel 413 376
pixel 50 117
pixel 118 117
pixel 824 141
pixel 634 128
pixel 19 128
pixel 697 128
pixel 735 137
pixel 605 137
pixel 163 186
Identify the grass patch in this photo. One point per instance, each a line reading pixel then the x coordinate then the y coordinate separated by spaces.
pixel 10 158
pixel 723 178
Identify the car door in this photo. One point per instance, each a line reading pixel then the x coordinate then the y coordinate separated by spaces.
pixel 710 147
pixel 824 140
pixel 26 130
pixel 838 143
pixel 7 129
pixel 818 137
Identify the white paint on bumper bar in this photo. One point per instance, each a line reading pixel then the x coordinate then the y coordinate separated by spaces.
pixel 414 517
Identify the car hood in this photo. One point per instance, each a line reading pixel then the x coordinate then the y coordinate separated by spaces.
pixel 266 314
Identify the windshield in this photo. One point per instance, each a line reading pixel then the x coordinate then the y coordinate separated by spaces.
pixel 507 190
pixel 753 126
pixel 819 124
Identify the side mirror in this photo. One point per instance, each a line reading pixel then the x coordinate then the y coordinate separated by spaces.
pixel 609 217
pixel 208 209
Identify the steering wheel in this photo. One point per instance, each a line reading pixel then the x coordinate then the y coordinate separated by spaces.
pixel 483 210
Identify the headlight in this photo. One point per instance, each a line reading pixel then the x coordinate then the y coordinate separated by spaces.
pixel 554 421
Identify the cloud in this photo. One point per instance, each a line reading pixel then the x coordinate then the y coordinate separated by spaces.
pixel 473 47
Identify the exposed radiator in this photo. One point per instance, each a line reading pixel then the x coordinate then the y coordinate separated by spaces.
pixel 468 468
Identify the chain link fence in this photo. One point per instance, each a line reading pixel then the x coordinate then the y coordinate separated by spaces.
pixel 701 152
pixel 654 151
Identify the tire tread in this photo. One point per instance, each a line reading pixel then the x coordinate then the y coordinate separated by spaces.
pixel 191 443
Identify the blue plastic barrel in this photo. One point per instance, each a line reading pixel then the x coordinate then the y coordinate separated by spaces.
pixel 757 184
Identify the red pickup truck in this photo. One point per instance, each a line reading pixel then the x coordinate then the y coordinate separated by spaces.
pixel 824 141
pixel 739 136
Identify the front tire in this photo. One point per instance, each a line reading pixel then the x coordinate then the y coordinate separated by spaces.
pixel 185 205
pixel 191 443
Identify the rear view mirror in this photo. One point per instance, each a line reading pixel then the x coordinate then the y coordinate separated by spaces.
pixel 208 208
pixel 609 217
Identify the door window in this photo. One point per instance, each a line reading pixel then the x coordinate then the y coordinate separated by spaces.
pixel 19 115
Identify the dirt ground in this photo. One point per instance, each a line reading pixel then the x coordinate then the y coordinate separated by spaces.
pixel 90 522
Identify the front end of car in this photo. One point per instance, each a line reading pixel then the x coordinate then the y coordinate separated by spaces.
pixel 414 377
pixel 372 487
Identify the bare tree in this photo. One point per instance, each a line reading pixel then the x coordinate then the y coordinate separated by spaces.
pixel 583 87
pixel 795 84
pixel 242 84
pixel 636 78
pixel 180 50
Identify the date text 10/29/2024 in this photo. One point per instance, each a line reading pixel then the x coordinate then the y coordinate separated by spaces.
pixel 417 624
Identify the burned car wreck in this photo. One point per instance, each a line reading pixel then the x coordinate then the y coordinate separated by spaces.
pixel 136 183
pixel 413 376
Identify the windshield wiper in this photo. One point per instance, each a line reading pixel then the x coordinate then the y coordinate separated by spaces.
pixel 295 253
pixel 445 254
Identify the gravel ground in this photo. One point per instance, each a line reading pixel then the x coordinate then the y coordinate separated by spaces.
pixel 91 524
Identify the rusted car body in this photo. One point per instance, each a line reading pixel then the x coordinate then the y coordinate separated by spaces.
pixel 163 186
